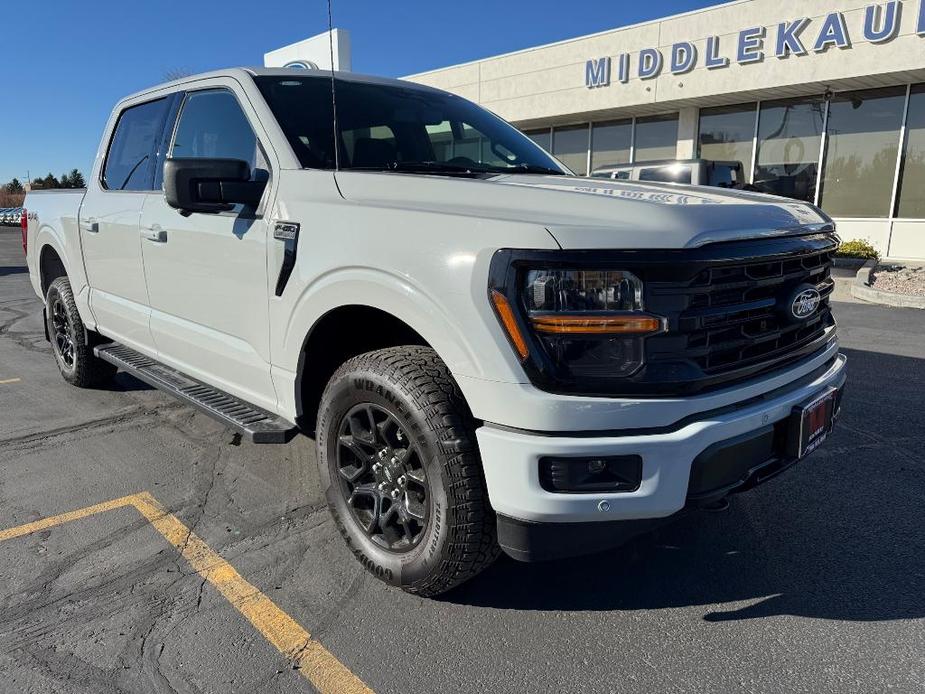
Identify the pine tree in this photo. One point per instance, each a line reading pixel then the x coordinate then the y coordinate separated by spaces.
pixel 65 181
pixel 77 179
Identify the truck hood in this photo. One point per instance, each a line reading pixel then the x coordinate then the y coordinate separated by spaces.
pixel 585 212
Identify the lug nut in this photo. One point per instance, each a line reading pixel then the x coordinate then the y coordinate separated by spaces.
pixel 395 493
pixel 382 486
pixel 401 480
pixel 394 461
pixel 377 467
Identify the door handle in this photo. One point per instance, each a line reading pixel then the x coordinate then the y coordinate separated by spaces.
pixel 154 233
pixel 90 224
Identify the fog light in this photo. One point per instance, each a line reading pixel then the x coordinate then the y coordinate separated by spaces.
pixel 591 475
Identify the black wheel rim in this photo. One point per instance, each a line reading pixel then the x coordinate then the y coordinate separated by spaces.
pixel 382 478
pixel 63 333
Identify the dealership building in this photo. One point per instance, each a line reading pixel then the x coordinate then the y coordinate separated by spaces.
pixel 821 100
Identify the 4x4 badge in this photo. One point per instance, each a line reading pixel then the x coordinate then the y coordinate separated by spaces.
pixel 286 231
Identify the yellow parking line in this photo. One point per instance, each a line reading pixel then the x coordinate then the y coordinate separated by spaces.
pixel 51 522
pixel 10 380
pixel 317 664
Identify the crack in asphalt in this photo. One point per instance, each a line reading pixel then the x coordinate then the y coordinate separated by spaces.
pixel 29 340
pixel 132 415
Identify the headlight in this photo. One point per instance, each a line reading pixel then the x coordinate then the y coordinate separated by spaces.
pixel 582 290
pixel 587 324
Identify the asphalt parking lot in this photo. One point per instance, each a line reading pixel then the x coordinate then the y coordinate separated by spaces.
pixel 814 582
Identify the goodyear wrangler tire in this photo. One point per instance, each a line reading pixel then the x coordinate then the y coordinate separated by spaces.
pixel 399 463
pixel 69 339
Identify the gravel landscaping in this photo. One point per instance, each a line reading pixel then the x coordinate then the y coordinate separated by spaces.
pixel 900 279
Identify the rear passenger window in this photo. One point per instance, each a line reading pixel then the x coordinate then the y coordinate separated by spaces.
pixel 130 160
pixel 213 126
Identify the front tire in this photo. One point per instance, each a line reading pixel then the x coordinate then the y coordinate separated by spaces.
pixel 69 339
pixel 399 462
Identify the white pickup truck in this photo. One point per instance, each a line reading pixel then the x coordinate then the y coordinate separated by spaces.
pixel 491 353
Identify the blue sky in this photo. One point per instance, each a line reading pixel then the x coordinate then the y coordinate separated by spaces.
pixel 67 63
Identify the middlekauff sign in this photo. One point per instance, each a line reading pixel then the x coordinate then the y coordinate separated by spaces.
pixel 796 37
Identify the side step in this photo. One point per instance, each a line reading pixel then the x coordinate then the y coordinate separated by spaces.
pixel 255 424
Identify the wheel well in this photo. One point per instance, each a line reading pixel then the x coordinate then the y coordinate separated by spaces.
pixel 50 267
pixel 338 336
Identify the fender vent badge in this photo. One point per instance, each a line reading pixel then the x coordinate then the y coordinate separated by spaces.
pixel 286 231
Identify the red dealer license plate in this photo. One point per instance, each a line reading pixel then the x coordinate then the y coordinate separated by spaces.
pixel 811 422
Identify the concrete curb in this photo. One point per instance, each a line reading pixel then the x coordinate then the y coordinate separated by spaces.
pixel 861 289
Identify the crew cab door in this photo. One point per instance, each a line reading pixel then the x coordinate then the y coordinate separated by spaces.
pixel 109 218
pixel 207 272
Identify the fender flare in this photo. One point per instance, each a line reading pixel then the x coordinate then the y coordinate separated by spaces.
pixel 392 294
pixel 49 237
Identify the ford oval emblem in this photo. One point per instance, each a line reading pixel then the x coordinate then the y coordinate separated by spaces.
pixel 805 303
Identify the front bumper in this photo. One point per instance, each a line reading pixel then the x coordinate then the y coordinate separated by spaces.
pixel 511 462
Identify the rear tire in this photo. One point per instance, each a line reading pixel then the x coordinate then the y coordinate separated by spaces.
pixel 422 520
pixel 70 340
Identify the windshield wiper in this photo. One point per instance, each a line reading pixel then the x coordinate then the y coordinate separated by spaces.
pixel 449 167
pixel 426 166
pixel 522 168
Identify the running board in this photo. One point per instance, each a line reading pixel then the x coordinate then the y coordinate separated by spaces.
pixel 252 422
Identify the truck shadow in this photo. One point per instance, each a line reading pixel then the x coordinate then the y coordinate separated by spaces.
pixel 839 536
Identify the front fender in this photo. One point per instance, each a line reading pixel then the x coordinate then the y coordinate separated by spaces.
pixel 391 293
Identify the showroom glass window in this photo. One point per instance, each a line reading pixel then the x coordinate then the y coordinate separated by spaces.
pixel 727 133
pixel 860 159
pixel 212 125
pixel 911 202
pixel 656 138
pixel 541 137
pixel 611 143
pixel 570 146
pixel 130 159
pixel 789 138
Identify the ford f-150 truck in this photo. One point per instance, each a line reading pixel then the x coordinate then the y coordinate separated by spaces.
pixel 490 352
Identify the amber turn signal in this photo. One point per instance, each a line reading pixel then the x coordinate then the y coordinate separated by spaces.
pixel 506 314
pixel 596 325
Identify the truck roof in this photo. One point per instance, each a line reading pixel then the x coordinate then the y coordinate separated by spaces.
pixel 241 72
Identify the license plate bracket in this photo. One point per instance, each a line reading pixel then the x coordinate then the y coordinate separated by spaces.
pixel 811 422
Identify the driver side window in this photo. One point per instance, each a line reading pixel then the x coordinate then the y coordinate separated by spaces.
pixel 212 125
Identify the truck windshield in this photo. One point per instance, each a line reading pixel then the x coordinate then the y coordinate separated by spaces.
pixel 385 127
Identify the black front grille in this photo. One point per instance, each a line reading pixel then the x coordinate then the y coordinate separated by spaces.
pixel 731 317
pixel 736 315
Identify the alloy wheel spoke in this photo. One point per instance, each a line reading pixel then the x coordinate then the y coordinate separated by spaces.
pixel 386 516
pixel 351 443
pixel 414 507
pixel 406 527
pixel 417 475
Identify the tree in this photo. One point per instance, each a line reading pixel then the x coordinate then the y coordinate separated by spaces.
pixel 65 181
pixel 50 182
pixel 14 187
pixel 77 179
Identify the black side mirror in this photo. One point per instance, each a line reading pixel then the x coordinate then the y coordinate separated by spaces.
pixel 210 185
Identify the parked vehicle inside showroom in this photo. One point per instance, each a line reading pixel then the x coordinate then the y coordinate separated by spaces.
pixel 697 172
pixel 491 353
